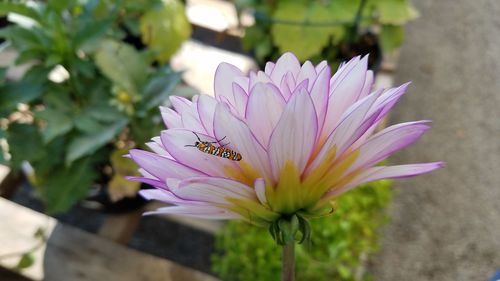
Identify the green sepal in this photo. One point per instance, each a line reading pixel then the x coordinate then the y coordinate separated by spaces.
pixel 290 229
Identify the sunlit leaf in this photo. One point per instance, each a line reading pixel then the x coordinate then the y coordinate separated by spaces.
pixel 57 123
pixel 18 8
pixel 26 261
pixel 67 185
pixel 164 28
pixel 391 37
pixel 89 143
pixel 395 12
pixel 159 88
pixel 92 31
pixel 122 64
pixel 303 40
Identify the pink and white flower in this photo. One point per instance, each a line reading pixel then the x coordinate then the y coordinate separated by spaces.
pixel 305 137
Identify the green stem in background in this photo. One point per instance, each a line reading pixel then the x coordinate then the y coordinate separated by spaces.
pixel 288 270
pixel 357 20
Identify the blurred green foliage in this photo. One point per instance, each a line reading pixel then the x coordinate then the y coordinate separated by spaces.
pixel 92 86
pixel 340 243
pixel 319 29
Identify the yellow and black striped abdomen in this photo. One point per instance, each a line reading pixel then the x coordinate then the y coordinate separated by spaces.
pixel 218 151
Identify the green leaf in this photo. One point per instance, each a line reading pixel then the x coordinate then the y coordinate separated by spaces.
pixel 338 34
pixel 3 73
pixel 23 38
pixel 25 90
pixel 85 67
pixel 391 37
pixel 24 143
pixel 165 28
pixel 52 60
pixel 18 8
pixel 68 185
pixel 159 88
pixel 122 64
pixel 58 123
pixel 92 31
pixel 59 5
pixel 344 11
pixel 304 41
pixel 26 261
pixel 396 12
pixel 263 49
pixel 96 117
pixel 104 113
pixel 87 124
pixel 89 143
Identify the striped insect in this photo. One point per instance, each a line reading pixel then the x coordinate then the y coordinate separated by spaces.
pixel 219 151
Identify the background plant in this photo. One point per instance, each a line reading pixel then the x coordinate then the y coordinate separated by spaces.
pixel 96 77
pixel 340 242
pixel 319 29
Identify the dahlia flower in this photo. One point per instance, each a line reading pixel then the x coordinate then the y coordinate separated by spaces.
pixel 275 143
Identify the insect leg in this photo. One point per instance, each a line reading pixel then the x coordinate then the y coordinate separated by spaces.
pixel 218 141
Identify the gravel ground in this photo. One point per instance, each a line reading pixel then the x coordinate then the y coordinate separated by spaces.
pixel 446 225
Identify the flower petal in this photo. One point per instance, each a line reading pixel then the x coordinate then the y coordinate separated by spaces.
pixel 175 141
pixel 321 65
pixel 181 104
pixel 204 212
pixel 264 108
pixel 240 99
pixel 348 130
pixel 171 118
pixel 287 85
pixel 295 134
pixel 307 71
pixel 241 140
pixel 223 81
pixel 191 121
pixel 161 167
pixel 388 172
pixel 212 190
pixel 167 197
pixel 269 67
pixel 152 182
pixel 288 62
pixel 261 77
pixel 388 99
pixel 319 94
pixel 206 110
pixel 386 142
pixel 157 147
pixel 381 107
pixel 345 92
pixel 367 87
pixel 260 190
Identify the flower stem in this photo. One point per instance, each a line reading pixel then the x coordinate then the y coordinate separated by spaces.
pixel 288 271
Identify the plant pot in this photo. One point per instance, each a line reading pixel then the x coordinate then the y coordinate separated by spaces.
pixel 367 43
pixel 100 200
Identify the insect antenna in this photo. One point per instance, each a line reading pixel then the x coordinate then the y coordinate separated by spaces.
pixel 190 145
pixel 197 136
pixel 218 141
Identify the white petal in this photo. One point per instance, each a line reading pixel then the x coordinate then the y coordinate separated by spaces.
pixel 295 134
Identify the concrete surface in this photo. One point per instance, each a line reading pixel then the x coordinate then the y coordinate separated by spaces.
pixel 446 225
